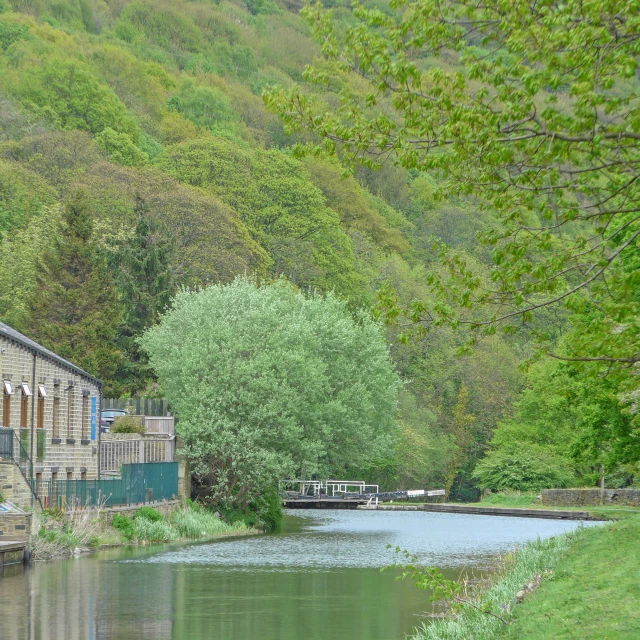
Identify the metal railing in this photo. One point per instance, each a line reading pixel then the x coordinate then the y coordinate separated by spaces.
pixel 20 443
pixel 12 447
pixel 328 487
pixel 139 484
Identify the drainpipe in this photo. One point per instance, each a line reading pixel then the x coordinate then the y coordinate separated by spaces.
pixel 33 413
pixel 98 424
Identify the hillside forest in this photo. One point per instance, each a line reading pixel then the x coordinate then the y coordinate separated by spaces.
pixel 139 158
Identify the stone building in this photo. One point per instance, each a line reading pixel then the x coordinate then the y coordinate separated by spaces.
pixel 49 421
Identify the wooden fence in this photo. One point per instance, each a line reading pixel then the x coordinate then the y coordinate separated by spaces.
pixel 117 449
pixel 160 424
pixel 141 406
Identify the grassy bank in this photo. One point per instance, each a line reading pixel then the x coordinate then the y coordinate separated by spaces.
pixel 594 592
pixel 584 585
pixel 510 499
pixel 59 536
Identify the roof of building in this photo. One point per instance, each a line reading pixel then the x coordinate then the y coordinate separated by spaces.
pixel 16 336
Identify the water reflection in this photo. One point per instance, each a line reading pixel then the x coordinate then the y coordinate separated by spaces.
pixel 319 580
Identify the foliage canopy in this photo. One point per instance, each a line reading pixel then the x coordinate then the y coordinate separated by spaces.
pixel 268 383
pixel 531 107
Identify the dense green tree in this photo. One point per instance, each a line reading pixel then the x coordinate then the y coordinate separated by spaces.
pixel 205 107
pixel 68 95
pixel 462 432
pixel 19 255
pixel 530 107
pixel 11 32
pixel 276 199
pixel 22 195
pixel 528 467
pixel 268 383
pixel 74 309
pixel 120 148
pixel 144 277
pixel 576 418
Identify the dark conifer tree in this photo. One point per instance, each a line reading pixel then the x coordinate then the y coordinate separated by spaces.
pixel 74 309
pixel 146 284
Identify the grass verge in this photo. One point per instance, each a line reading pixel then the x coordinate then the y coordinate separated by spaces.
pixel 589 589
pixel 510 499
pixel 595 590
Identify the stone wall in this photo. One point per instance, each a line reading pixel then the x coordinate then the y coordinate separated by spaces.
pixel 590 497
pixel 15 527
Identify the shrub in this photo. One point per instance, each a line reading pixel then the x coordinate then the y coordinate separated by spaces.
pixel 127 424
pixel 124 525
pixel 197 522
pixel 525 467
pixel 149 513
pixel 53 513
pixel 152 531
pixel 268 508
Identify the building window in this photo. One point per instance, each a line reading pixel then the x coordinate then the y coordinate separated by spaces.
pixel 56 411
pixel 70 413
pixel 6 403
pixel 24 405
pixel 86 414
pixel 42 394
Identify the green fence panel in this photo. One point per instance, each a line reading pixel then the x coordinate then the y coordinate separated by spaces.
pixel 140 483
pixel 151 481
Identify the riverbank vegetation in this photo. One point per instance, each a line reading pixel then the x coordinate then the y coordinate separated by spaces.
pixel 61 535
pixel 192 522
pixel 581 584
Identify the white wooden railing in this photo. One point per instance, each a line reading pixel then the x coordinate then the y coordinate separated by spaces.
pixel 117 449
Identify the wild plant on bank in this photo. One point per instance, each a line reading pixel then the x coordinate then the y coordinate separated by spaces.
pixel 195 523
pixel 153 531
pixel 61 534
pixel 464 611
pixel 149 525
pixel 478 615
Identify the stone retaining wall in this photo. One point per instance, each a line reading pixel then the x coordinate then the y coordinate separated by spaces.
pixel 590 497
pixel 15 527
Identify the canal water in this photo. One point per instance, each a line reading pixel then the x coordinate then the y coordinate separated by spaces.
pixel 319 579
